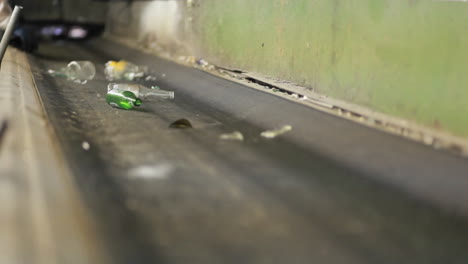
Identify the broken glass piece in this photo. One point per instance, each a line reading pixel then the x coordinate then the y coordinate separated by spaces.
pixel 181 124
pixel 236 135
pixel 276 132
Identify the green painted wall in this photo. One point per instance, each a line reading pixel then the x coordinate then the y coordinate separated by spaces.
pixel 407 58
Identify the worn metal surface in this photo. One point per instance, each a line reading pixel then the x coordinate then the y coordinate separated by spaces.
pixel 9 29
pixel 329 191
pixel 42 219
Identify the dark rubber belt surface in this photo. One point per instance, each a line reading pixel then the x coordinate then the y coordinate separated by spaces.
pixel 329 191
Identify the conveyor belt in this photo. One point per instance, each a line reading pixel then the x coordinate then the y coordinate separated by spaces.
pixel 329 191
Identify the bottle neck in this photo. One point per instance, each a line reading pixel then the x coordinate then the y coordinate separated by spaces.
pixel 137 102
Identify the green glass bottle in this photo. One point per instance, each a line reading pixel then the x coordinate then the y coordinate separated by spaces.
pixel 122 99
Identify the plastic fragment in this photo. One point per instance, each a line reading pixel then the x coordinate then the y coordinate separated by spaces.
pixel 191 60
pixel 124 70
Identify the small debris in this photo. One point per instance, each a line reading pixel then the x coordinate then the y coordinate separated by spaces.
pixel 80 82
pixel 163 75
pixel 152 172
pixel 428 140
pixel 85 145
pixel 371 121
pixel 202 62
pixel 276 132
pixel 150 78
pixel 98 95
pixel 205 65
pixel 236 135
pixel 190 60
pixel 181 124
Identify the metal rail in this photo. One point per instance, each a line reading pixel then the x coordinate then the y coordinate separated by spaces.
pixel 8 31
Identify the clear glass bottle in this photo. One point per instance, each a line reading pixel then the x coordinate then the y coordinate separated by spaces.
pixel 78 71
pixel 141 91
